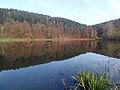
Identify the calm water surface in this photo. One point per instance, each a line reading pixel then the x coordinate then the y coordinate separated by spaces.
pixel 42 65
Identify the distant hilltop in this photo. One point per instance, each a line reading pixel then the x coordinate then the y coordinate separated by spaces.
pixel 27 25
pixel 108 30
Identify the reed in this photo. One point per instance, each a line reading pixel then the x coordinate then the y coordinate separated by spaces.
pixel 92 81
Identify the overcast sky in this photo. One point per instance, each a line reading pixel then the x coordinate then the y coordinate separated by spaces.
pixel 84 11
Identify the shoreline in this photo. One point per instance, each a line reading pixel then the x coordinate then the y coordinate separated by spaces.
pixel 57 39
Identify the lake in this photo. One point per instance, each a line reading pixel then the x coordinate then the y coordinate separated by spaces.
pixel 42 65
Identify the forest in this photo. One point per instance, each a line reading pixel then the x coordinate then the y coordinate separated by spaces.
pixel 21 24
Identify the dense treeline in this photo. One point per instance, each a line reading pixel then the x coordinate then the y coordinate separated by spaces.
pixel 108 30
pixel 21 24
pixel 7 15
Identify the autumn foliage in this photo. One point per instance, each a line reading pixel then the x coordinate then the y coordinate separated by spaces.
pixel 22 24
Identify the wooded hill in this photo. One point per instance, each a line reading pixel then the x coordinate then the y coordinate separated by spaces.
pixel 108 30
pixel 22 24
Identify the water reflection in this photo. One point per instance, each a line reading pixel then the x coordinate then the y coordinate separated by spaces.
pixel 108 48
pixel 23 54
pixel 34 69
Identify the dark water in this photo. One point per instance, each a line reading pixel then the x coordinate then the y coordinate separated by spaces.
pixel 42 65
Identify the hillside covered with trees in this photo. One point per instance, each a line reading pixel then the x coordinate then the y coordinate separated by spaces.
pixel 21 24
pixel 27 25
pixel 108 30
